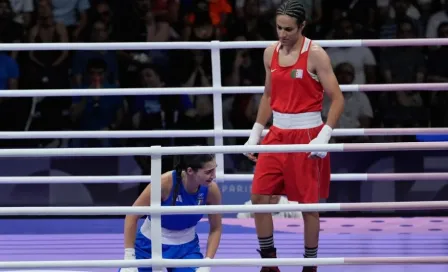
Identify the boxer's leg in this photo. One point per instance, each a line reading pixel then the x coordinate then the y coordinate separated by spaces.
pixel 305 180
pixel 188 251
pixel 268 181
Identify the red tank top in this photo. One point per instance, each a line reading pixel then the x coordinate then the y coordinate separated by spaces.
pixel 293 88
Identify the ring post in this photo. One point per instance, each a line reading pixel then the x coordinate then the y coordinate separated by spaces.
pixel 156 198
pixel 217 107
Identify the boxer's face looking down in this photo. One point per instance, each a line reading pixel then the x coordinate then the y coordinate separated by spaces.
pixel 288 30
pixel 203 176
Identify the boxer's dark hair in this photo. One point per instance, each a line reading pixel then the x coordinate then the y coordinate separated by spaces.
pixel 294 9
pixel 195 162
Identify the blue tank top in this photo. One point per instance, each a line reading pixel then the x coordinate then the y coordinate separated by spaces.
pixel 183 221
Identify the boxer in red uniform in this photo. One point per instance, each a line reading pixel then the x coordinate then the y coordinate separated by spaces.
pixel 298 72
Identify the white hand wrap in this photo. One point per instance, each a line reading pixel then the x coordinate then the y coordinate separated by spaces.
pixel 203 269
pixel 323 137
pixel 129 254
pixel 255 135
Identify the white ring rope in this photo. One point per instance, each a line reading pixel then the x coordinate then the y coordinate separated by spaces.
pixel 228 149
pixel 212 45
pixel 226 262
pixel 212 90
pixel 226 178
pixel 205 133
pixel 220 209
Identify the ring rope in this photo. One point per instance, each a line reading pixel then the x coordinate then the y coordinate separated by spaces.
pixel 226 262
pixel 435 176
pixel 220 209
pixel 206 133
pixel 213 44
pixel 212 90
pixel 228 149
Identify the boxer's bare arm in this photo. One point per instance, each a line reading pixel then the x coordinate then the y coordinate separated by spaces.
pixel 144 199
pixel 264 109
pixel 320 64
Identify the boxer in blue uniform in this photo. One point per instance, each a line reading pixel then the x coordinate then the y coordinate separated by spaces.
pixel 190 184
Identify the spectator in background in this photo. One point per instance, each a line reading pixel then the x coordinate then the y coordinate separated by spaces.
pixel 314 13
pixel 403 64
pixel 201 29
pixel 175 18
pixel 22 11
pixel 102 12
pixel 140 26
pixel 48 69
pixel 276 199
pixel 97 112
pixel 160 8
pixel 10 31
pixel 361 12
pixel 435 20
pixel 219 11
pixel 151 112
pixel 14 114
pixel 361 58
pixel 201 77
pixel 425 7
pixel 9 73
pixel 437 66
pixel 252 25
pixel 204 12
pixel 401 10
pixel 147 111
pixel 196 110
pixel 403 110
pixel 243 68
pixel 157 31
pixel 266 7
pixel 65 12
pixel 98 33
pixel 358 111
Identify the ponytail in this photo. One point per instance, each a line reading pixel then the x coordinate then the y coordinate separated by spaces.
pixel 178 168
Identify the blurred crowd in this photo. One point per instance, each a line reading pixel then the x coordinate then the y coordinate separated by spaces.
pixel 55 21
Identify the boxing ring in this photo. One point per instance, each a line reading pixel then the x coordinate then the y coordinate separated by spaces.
pixel 411 244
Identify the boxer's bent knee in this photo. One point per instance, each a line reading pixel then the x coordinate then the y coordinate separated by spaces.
pixel 260 199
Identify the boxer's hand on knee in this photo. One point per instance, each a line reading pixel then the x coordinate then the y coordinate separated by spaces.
pixel 203 269
pixel 322 138
pixel 129 254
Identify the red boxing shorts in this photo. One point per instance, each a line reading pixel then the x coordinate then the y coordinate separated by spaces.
pixel 300 178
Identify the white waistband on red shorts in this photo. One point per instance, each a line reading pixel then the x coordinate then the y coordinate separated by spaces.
pixel 297 120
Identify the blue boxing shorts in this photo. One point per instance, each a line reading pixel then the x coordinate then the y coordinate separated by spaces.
pixel 189 250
